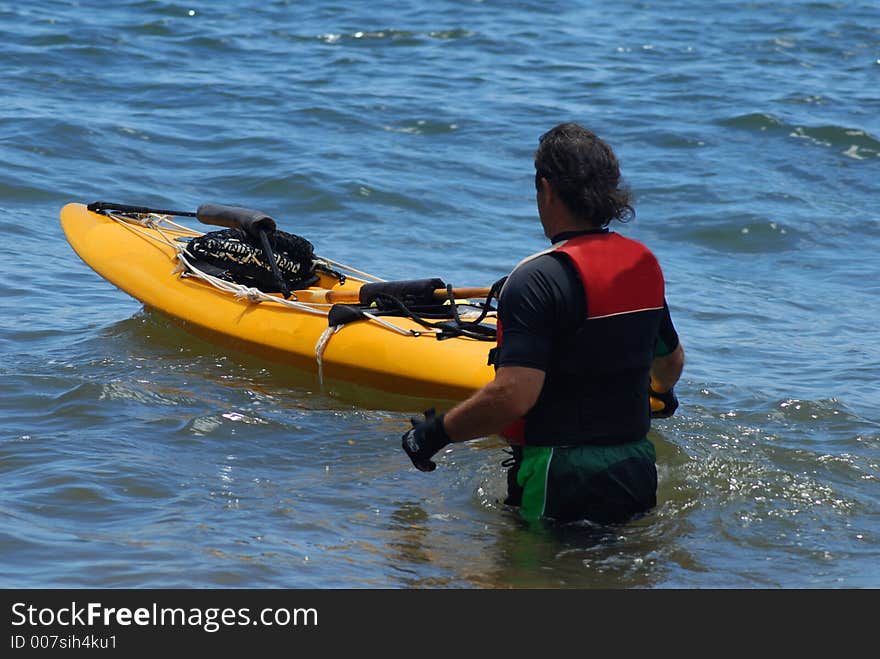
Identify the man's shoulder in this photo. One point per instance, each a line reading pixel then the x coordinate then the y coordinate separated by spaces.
pixel 550 277
pixel 551 263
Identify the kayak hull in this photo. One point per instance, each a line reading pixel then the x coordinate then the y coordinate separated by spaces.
pixel 136 260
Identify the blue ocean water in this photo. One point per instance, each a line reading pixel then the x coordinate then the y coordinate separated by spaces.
pixel 400 140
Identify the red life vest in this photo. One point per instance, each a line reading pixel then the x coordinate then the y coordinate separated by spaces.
pixel 596 390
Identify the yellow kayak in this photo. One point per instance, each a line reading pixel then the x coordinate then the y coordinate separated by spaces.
pixel 142 255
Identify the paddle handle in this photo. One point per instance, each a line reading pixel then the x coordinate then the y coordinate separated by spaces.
pixel 319 295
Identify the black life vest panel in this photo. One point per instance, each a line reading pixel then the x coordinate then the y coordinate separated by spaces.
pixel 596 388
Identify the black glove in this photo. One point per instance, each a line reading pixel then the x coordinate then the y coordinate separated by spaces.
pixel 424 439
pixel 670 404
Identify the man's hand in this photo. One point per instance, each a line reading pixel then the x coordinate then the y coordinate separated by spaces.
pixel 424 439
pixel 665 372
pixel 669 400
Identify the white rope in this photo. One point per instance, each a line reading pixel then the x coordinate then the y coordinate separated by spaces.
pixel 242 292
pixel 187 269
pixel 350 269
pixel 395 328
pixel 320 346
pixel 154 222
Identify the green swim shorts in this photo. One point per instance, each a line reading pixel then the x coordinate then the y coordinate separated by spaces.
pixel 604 484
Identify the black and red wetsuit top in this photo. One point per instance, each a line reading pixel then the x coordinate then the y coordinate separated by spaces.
pixel 591 313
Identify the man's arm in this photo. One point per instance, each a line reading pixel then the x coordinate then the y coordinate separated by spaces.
pixel 666 370
pixel 532 308
pixel 508 397
pixel 511 394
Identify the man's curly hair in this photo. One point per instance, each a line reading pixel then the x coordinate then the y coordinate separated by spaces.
pixel 584 172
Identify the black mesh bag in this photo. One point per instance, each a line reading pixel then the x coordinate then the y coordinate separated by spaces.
pixel 232 255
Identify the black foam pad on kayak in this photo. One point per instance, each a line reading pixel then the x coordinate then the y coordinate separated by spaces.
pixel 342 314
pixel 408 291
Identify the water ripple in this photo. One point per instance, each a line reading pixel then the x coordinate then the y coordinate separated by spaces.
pixel 850 142
pixel 135 454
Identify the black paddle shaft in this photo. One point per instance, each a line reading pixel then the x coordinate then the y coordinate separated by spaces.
pixel 101 206
pixel 253 222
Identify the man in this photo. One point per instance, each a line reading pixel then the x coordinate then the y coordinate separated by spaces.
pixel 585 347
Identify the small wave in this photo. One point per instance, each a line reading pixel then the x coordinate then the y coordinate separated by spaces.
pixel 395 37
pixel 745 235
pixel 141 392
pixel 389 198
pixel 157 28
pixel 19 191
pixel 754 121
pixel 792 410
pixel 422 127
pixel 850 142
pixel 52 39
pixel 788 451
pixel 308 198
pixel 459 33
pixel 805 99
pixel 208 424
pixel 323 115
pixel 751 471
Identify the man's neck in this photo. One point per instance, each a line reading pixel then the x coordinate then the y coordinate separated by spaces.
pixel 566 224
pixel 571 233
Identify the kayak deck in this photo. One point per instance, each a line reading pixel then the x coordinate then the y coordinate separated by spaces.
pixel 398 356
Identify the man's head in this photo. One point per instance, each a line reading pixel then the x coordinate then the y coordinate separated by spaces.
pixel 584 174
